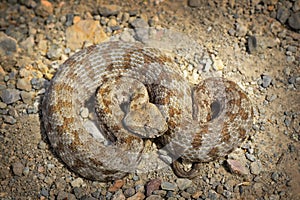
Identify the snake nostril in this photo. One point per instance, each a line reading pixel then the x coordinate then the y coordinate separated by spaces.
pixel 215 109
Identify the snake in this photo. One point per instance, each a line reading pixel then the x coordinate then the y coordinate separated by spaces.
pixel 136 93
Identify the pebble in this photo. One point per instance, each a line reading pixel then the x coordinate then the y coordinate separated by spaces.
pixel 117 185
pixel 194 3
pixel 154 197
pixel 250 157
pixel 44 8
pixel 168 186
pixel 294 20
pixel 118 195
pixel 255 168
pixel 9 119
pixel 236 167
pixel 139 23
pixel 109 10
pixel 282 14
pixel 8 45
pixel 137 196
pixel 10 96
pixel 84 113
pixel 266 80
pixel 17 168
pixel 27 97
pixel 252 44
pixel 129 192
pixel 275 176
pixel 84 31
pixel 65 196
pixel 77 182
pixel 24 84
pixel 54 52
pixel 183 183
pixel 152 186
pixel 44 192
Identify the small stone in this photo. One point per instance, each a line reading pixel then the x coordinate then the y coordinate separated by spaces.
pixel 296 6
pixel 250 157
pixel 44 9
pixel 84 31
pixel 137 196
pixel 42 145
pixel 282 14
pixel 44 192
pixel 185 195
pixel 152 186
pixel 118 195
pixel 10 96
pixel 218 64
pixel 197 194
pixel 64 195
pixel 84 113
pixel 194 3
pixel 139 23
pixel 112 22
pixel 266 80
pixel 26 171
pixel 275 176
pixel 8 45
pixel 69 19
pixel 54 52
pixel 109 10
pixel 24 84
pixel 255 168
pixel 9 119
pixel 28 43
pixel 241 30
pixel 220 189
pixel 168 186
pixel 294 20
pixel 27 97
pixel 236 167
pixel 292 48
pixel 117 185
pixel 129 192
pixel 154 197
pixel 77 182
pixel 183 183
pixel 252 44
pixel 17 168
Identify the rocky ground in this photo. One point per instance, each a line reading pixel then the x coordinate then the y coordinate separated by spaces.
pixel 255 43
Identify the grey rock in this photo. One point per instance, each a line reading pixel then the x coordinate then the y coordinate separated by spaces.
pixel 266 80
pixel 65 195
pixel 26 171
pixel 129 192
pixel 296 6
pixel 10 96
pixel 37 83
pixel 42 145
pixel 241 30
pixel 44 192
pixel 294 20
pixel 183 183
pixel 275 176
pixel 282 14
pixel 212 195
pixel 8 45
pixel 17 168
pixel 250 157
pixel 292 48
pixel 252 44
pixel 194 3
pixel 9 119
pixel 69 19
pixel 168 186
pixel 79 192
pixel 77 182
pixel 139 23
pixel 54 52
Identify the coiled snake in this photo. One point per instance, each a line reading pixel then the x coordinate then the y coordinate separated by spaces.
pixel 139 93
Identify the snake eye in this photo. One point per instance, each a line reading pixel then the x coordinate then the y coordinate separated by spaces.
pixel 215 108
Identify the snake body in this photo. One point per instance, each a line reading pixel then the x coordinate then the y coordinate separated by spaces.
pixel 138 93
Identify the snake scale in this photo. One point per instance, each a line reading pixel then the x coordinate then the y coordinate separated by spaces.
pixel 139 93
